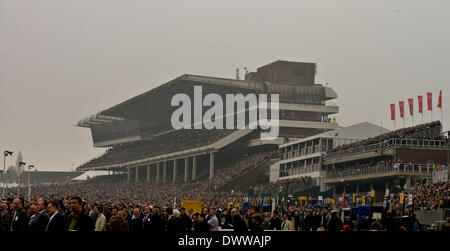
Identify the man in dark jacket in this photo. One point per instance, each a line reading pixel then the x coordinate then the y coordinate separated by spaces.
pixel 275 221
pixel 136 223
pixel 42 216
pixel 20 218
pixel 238 223
pixel 78 220
pixel 56 222
pixel 335 224
pixel 157 224
pixel 185 221
pixel 173 225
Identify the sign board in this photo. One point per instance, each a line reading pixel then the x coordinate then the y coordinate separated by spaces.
pixel 410 199
pixel 372 193
pixel 195 205
pixel 363 200
pixel 440 175
pixel 402 198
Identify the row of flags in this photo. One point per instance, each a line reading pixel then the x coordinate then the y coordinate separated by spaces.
pixel 411 105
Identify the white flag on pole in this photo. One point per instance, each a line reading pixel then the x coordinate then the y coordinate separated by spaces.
pixel 19 168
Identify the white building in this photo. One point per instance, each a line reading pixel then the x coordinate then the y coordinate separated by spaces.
pixel 303 157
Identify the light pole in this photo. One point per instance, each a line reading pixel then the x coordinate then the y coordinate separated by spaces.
pixel 29 188
pixel 18 177
pixel 6 153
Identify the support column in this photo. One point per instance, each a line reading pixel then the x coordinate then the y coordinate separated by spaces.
pixel 408 182
pixel 137 174
pixel 194 167
pixel 334 192
pixel 211 165
pixel 386 189
pixel 164 172
pixel 174 171
pixel 357 188
pixel 129 175
pixel 158 171
pixel 148 173
pixel 186 169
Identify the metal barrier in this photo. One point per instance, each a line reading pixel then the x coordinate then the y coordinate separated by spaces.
pixel 400 167
pixel 430 217
pixel 420 143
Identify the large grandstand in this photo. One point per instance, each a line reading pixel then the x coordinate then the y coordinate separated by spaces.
pixel 142 144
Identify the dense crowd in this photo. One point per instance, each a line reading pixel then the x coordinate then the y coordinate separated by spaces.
pixel 429 131
pixel 285 185
pixel 168 143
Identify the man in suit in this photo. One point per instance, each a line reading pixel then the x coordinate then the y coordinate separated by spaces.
pixel 56 222
pixel 5 217
pixel 42 216
pixel 238 223
pixel 78 220
pixel 185 221
pixel 157 224
pixel 147 220
pixel 20 217
pixel 286 224
pixel 172 222
pixel 136 224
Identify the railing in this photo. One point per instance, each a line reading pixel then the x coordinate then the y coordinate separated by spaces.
pixel 421 143
pixel 401 167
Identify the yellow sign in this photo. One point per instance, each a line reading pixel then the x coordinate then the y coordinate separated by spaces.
pixel 372 193
pixel 354 198
pixel 402 198
pixel 363 198
pixel 195 205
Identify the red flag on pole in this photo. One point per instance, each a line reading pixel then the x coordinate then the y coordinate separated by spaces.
pixel 392 111
pixel 411 106
pixel 430 101
pixel 440 100
pixel 402 108
pixel 420 104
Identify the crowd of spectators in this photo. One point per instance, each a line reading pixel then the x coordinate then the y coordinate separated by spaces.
pixel 430 131
pixel 285 185
pixel 178 140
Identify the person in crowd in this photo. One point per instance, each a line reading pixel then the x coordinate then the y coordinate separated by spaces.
pixel 185 221
pixel 78 220
pixel 286 224
pixel 257 224
pixel 239 225
pixel 42 217
pixel 147 219
pixel 335 223
pixel 20 218
pixel 136 224
pixel 5 217
pixel 100 221
pixel 56 221
pixel 119 223
pixel 32 212
pixel 212 220
pixel 172 222
pixel 202 225
pixel 275 221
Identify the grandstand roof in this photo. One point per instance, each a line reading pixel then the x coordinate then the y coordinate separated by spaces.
pixel 160 97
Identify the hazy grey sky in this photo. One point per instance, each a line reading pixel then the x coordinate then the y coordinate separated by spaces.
pixel 61 61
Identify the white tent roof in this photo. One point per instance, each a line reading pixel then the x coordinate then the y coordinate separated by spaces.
pixel 90 174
